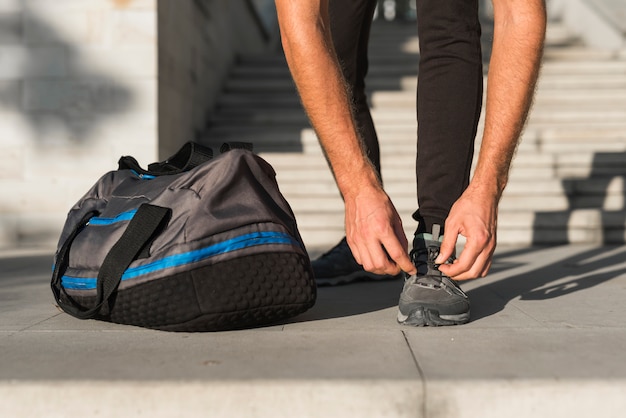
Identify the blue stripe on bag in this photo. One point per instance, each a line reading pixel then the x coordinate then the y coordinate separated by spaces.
pixel 238 243
pixel 124 216
pixel 143 176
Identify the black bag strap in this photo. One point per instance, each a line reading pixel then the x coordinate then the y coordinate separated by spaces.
pixel 190 156
pixel 148 222
pixel 227 146
pixel 62 259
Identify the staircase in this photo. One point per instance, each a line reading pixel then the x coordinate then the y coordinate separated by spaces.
pixel 567 180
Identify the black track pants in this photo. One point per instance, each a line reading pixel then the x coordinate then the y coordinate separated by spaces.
pixel 448 99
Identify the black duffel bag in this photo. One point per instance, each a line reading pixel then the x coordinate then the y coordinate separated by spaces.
pixel 194 243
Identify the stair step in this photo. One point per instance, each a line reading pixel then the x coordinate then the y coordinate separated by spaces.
pixel 394 67
pixel 407 116
pixel 581 99
pixel 567 181
pixel 409 82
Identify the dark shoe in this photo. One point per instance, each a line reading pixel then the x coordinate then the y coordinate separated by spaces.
pixel 430 297
pixel 338 266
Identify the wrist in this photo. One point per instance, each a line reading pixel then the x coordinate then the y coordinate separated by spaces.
pixel 492 171
pixel 490 187
pixel 358 180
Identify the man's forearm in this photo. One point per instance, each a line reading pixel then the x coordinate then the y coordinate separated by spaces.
pixel 519 32
pixel 308 48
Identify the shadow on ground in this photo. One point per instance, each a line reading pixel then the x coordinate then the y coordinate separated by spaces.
pixel 559 277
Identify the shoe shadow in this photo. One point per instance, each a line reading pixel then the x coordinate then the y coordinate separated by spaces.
pixel 353 299
pixel 579 271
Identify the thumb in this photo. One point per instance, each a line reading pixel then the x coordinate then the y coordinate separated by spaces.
pixel 447 248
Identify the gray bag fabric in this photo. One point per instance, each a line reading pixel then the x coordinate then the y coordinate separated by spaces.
pixel 194 243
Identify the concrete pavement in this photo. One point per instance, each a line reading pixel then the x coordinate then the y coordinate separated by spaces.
pixel 546 339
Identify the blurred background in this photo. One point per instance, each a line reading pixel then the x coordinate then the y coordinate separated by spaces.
pixel 85 82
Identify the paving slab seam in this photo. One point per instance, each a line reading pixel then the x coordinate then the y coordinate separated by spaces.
pixel 30 326
pixel 421 374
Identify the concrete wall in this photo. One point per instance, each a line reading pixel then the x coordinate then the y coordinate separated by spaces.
pixel 83 82
pixel 198 42
pixel 78 84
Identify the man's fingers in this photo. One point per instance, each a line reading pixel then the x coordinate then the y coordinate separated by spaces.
pixel 466 265
pixel 356 253
pixel 397 253
pixel 372 259
pixel 384 258
pixel 447 247
pixel 486 268
pixel 380 263
pixel 474 262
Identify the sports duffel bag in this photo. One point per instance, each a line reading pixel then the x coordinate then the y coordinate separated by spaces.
pixel 195 243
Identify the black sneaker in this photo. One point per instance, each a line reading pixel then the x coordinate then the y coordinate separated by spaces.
pixel 430 297
pixel 338 266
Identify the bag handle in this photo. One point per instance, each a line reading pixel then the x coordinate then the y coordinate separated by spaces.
pixel 145 225
pixel 227 146
pixel 190 156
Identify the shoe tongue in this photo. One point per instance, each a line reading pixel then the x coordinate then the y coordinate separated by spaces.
pixel 426 248
pixel 436 231
pixel 423 241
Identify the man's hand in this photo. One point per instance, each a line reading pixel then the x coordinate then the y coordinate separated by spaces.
pixel 475 217
pixel 375 235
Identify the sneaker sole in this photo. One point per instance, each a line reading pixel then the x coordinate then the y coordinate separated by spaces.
pixel 358 276
pixel 426 317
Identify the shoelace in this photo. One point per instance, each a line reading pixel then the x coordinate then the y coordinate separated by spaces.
pixel 433 273
pixel 430 253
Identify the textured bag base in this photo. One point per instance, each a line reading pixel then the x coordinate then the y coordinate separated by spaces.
pixel 240 293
